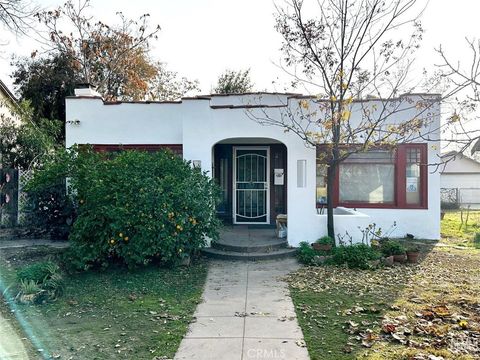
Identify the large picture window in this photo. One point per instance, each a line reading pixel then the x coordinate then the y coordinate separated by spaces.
pixel 368 178
pixel 379 178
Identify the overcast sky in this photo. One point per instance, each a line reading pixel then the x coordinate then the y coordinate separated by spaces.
pixel 202 38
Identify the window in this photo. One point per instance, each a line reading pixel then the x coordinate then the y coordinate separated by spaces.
pixel 412 172
pixel 379 179
pixel 368 178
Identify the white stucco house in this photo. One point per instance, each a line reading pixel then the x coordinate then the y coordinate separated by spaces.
pixel 7 103
pixel 264 171
pixel 460 176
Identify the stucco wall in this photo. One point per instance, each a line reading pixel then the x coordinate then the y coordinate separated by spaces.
pixel 198 126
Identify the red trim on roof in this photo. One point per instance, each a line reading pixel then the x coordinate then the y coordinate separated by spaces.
pixel 176 148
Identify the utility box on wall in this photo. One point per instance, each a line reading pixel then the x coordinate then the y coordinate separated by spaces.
pixel 278 177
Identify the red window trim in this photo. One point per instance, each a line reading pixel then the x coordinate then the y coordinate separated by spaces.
pixel 400 182
pixel 176 148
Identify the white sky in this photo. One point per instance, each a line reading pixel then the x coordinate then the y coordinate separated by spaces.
pixel 202 38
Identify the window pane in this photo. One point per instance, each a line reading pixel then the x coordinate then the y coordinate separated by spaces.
pixel 321 194
pixel 412 172
pixel 367 182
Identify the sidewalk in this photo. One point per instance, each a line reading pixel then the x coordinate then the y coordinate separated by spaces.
pixel 11 346
pixel 24 243
pixel 247 313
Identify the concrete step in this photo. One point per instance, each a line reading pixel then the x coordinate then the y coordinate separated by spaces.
pixel 248 256
pixel 246 247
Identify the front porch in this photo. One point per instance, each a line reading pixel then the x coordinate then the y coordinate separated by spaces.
pixel 249 242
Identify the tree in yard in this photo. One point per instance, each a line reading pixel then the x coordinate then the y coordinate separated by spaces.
pixel 234 82
pixel 113 57
pixel 24 141
pixel 462 82
pixel 79 49
pixel 45 82
pixel 347 50
pixel 17 15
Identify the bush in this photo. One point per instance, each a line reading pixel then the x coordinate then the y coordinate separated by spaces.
pixel 38 272
pixel 392 247
pixel 357 256
pixel 40 282
pixel 134 207
pixel 306 253
pixel 51 209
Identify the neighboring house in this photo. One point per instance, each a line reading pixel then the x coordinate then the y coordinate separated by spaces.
pixel 7 102
pixel 264 171
pixel 460 180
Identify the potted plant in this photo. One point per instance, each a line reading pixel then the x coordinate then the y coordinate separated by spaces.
pixel 413 251
pixel 323 244
pixel 395 249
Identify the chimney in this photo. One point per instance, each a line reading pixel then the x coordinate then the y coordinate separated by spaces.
pixel 86 90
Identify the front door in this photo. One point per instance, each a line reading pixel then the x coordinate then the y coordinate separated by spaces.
pixel 250 185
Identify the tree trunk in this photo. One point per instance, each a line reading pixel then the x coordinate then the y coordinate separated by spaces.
pixel 331 174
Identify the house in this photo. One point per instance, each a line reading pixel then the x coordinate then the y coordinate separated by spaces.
pixel 7 101
pixel 264 171
pixel 460 180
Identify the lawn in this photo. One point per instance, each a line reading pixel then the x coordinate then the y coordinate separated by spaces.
pixel 405 312
pixel 457 232
pixel 114 314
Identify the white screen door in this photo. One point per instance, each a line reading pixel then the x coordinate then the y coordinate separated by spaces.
pixel 250 185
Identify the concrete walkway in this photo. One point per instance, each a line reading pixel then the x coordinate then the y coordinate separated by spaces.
pixel 26 243
pixel 246 313
pixel 11 346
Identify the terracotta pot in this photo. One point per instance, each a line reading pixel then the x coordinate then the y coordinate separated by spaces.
pixel 412 256
pixel 322 247
pixel 400 258
pixel 388 261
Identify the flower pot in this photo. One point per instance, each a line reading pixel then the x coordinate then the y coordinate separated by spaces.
pixel 400 258
pixel 412 256
pixel 322 247
pixel 388 261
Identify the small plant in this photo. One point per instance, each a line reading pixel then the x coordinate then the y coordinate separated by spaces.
pixel 29 292
pixel 413 249
pixel 326 240
pixel 476 238
pixel 306 253
pixel 392 247
pixel 324 244
pixel 29 287
pixel 357 256
pixel 40 278
pixel 413 252
pixel 38 272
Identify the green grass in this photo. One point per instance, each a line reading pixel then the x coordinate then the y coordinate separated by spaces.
pixel 456 233
pixel 117 313
pixel 328 300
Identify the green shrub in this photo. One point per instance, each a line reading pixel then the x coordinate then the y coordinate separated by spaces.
pixel 392 247
pixel 326 240
pixel 41 278
pixel 134 207
pixel 29 287
pixel 476 238
pixel 38 272
pixel 306 253
pixel 357 256
pixel 51 210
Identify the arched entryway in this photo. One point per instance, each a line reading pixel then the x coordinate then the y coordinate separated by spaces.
pixel 252 175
